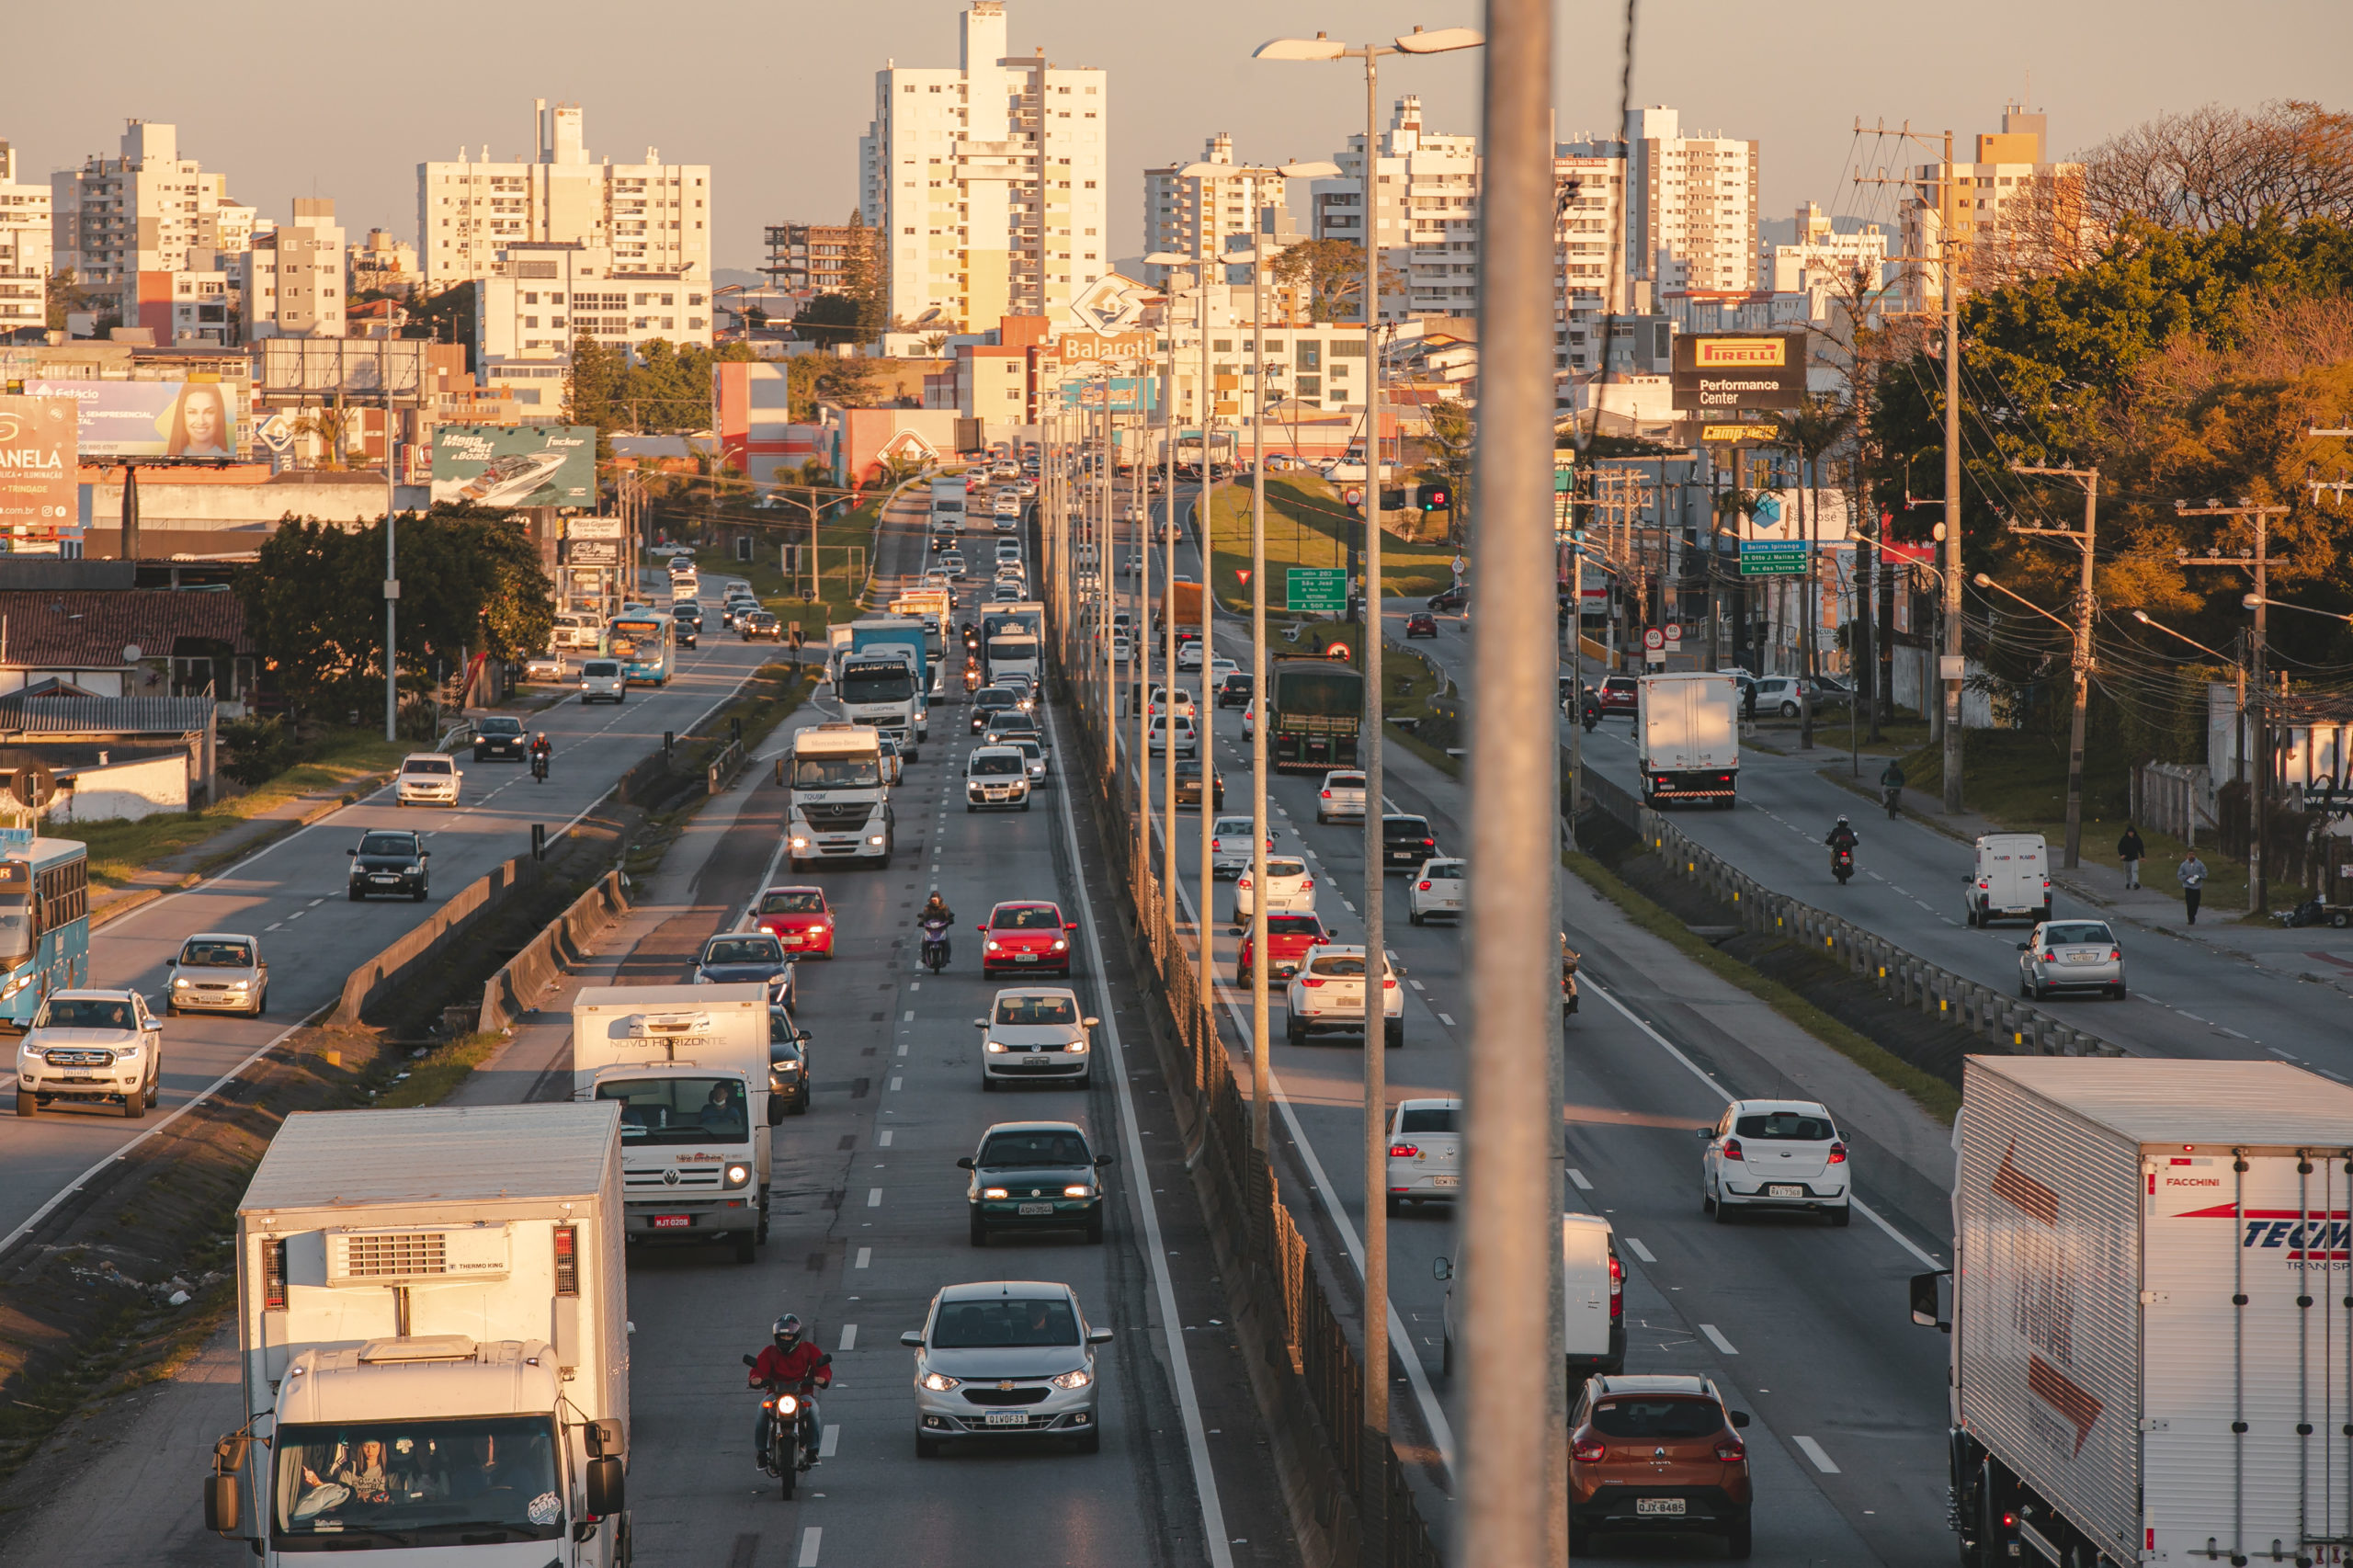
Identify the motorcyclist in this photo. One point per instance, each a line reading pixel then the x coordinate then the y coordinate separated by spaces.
pixel 542 753
pixel 1842 836
pixel 1890 784
pixel 789 1364
pixel 935 908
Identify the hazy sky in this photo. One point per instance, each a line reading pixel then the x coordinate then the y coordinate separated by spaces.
pixel 345 101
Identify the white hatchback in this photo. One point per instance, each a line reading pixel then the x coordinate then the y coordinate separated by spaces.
pixel 1186 741
pixel 1425 1153
pixel 428 778
pixel 1328 993
pixel 1783 1155
pixel 1436 891
pixel 1291 889
pixel 1159 697
pixel 1341 795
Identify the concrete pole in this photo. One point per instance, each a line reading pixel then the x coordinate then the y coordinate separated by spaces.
pixel 1203 730
pixel 1260 1072
pixel 1952 642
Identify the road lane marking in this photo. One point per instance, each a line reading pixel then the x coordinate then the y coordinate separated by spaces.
pixel 865 1254
pixel 910 1016
pixel 830 1441
pixel 1577 1177
pixel 849 1339
pixel 874 1198
pixel 894 1081
pixel 1446 1021
pixel 1639 1250
pixel 809 1539
pixel 1716 1338
pixel 1813 1450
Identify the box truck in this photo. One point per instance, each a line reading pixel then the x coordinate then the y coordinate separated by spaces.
pixel 433 1330
pixel 840 808
pixel 1314 708
pixel 689 1065
pixel 1687 737
pixel 2149 1313
pixel 947 504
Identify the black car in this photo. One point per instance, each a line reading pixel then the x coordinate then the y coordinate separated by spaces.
pixel 1237 690
pixel 501 738
pixel 1009 723
pixel 1035 1175
pixel 991 701
pixel 761 623
pixel 1406 843
pixel 1449 600
pixel 687 616
pixel 389 862
pixel 787 1066
pixel 1189 785
pixel 738 958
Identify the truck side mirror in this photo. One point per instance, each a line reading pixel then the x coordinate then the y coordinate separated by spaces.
pixel 607 1492
pixel 221 1503
pixel 1925 1302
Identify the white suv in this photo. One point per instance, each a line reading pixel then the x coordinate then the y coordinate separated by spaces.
pixel 1782 1154
pixel 1291 888
pixel 101 1048
pixel 997 777
pixel 1328 993
pixel 428 778
pixel 1435 891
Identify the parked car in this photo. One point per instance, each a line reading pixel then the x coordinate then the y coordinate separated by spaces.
pixel 1436 891
pixel 2071 955
pixel 1657 1454
pixel 1035 1034
pixel 1328 993
pixel 389 862
pixel 100 1048
pixel 1775 1154
pixel 428 778
pixel 219 971
pixel 500 735
pixel 973 1334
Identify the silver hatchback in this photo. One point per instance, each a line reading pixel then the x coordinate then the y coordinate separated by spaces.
pixel 1005 1358
pixel 219 971
pixel 2071 955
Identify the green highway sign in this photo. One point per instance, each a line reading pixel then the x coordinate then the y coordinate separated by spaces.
pixel 1315 590
pixel 1773 558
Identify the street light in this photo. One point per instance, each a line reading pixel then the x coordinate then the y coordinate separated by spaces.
pixel 1374 1489
pixel 2081 641
pixel 2250 601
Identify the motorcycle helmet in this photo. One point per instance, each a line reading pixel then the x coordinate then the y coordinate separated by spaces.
pixel 786 1331
pixel 1842 822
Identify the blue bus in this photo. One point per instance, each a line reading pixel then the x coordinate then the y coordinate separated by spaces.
pixel 645 642
pixel 44 921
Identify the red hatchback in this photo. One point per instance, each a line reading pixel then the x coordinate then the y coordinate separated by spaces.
pixel 799 918
pixel 1025 937
pixel 1288 938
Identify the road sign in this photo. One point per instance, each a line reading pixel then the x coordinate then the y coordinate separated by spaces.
pixel 1675 639
pixel 1353 496
pixel 1772 558
pixel 593 528
pixel 1461 565
pixel 1315 590
pixel 593 552
pixel 1338 651
pixel 1653 639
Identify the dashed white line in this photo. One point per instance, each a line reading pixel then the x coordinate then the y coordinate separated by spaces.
pixel 1634 1246
pixel 830 1441
pixel 1813 1450
pixel 849 1337
pixel 865 1254
pixel 1716 1338
pixel 809 1539
pixel 874 1198
pixel 909 1017
pixel 1415 984
pixel 1577 1179
pixel 1446 1021
pixel 895 1081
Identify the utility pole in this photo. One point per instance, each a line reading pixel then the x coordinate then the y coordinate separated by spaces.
pixel 2256 561
pixel 2085 605
pixel 1951 662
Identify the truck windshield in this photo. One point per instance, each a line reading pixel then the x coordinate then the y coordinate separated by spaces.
pixel 877 683
pixel 679 1110
pixel 1012 648
pixel 425 1483
pixel 838 772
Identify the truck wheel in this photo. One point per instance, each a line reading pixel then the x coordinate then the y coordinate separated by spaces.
pixel 26 1104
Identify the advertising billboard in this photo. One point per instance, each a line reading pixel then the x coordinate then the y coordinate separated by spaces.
pixel 40 496
pixel 527 465
pixel 1723 374
pixel 152 419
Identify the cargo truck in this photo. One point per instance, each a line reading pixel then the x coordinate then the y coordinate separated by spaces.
pixel 433 1329
pixel 873 696
pixel 2149 1313
pixel 1314 709
pixel 948 505
pixel 840 808
pixel 1012 640
pixel 1687 738
pixel 1187 599
pixel 935 608
pixel 689 1065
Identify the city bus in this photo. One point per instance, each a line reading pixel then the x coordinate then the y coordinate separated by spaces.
pixel 645 641
pixel 44 921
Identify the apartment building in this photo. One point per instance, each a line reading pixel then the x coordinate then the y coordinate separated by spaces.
pixel 2011 210
pixel 1821 256
pixel 141 212
pixel 1690 204
pixel 293 278
pixel 384 261
pixel 545 294
pixel 23 249
pixel 989 182
pixel 1427 193
pixel 652 217
pixel 1205 215
pixel 816 259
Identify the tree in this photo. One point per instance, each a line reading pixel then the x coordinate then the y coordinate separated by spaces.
pixel 2215 166
pixel 863 282
pixel 829 320
pixel 851 383
pixel 65 295
pixel 1452 435
pixel 589 392
pixel 1330 274
pixel 448 317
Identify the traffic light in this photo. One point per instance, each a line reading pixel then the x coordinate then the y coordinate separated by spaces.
pixel 1436 498
pixel 1392 499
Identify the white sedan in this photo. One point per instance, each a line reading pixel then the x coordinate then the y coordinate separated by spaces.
pixel 1328 993
pixel 1783 1155
pixel 1436 891
pixel 1425 1152
pixel 1189 656
pixel 1290 888
pixel 1341 795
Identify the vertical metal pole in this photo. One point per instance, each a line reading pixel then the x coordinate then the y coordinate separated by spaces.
pixel 1576 686
pixel 1953 643
pixel 1260 1071
pixel 392 614
pixel 2258 880
pixel 1140 650
pixel 1203 729
pixel 1374 1495
pixel 1106 599
pixel 1168 660
pixel 1510 1218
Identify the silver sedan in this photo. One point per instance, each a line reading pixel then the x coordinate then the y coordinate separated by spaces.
pixel 219 971
pixel 1005 1358
pixel 2071 955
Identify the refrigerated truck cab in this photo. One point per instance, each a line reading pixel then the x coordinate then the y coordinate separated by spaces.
pixel 433 1332
pixel 2011 880
pixel 1687 738
pixel 689 1065
pixel 1010 654
pixel 879 689
pixel 2149 1329
pixel 840 808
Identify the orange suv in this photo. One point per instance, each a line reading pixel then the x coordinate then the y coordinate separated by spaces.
pixel 1660 1455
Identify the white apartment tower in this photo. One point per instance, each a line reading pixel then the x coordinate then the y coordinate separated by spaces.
pixel 1589 196
pixel 989 184
pixel 1691 207
pixel 294 277
pixel 1203 216
pixel 1428 194
pixel 24 249
pixel 143 212
pixel 1823 258
pixel 652 216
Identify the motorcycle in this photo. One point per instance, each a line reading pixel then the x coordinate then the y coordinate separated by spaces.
pixel 1592 715
pixel 792 1428
pixel 935 945
pixel 540 766
pixel 971 678
pixel 1842 862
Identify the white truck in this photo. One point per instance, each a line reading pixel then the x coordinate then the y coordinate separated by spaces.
pixel 840 807
pixel 689 1065
pixel 1687 737
pixel 2150 1320
pixel 433 1329
pixel 948 502
pixel 2009 879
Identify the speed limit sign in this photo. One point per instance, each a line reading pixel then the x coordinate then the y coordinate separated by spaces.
pixel 1353 496
pixel 1675 639
pixel 1653 639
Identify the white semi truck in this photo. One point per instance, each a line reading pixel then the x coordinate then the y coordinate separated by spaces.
pixel 1687 738
pixel 840 808
pixel 2151 1321
pixel 688 1066
pixel 433 1325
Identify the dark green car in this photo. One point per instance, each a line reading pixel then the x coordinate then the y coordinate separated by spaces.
pixel 1035 1175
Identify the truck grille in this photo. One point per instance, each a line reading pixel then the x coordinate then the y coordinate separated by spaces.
pixel 79 1058
pixel 689 1177
pixel 838 814
pixel 393 1253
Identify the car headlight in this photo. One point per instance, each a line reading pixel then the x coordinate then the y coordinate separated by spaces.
pixel 1076 1048
pixel 937 1383
pixel 737 1175
pixel 1078 1189
pixel 995 1046
pixel 126 1052
pixel 992 1192
pixel 992 945
pixel 1060 945
pixel 18 984
pixel 1077 1379
pixel 181 982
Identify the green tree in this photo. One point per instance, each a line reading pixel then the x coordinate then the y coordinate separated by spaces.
pixel 829 320
pixel 864 283
pixel 1453 433
pixel 315 608
pixel 1331 274
pixel 448 316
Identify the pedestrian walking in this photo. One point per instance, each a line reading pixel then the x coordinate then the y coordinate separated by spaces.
pixel 2132 851
pixel 2192 874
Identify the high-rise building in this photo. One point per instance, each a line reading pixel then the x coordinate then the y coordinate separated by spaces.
pixel 1204 215
pixel 990 182
pixel 1690 206
pixel 816 259
pixel 143 212
pixel 1588 204
pixel 652 216
pixel 1429 213
pixel 293 278
pixel 548 294
pixel 2012 211
pixel 1820 256
pixel 24 249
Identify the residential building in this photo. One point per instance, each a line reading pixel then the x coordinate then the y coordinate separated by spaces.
pixel 990 181
pixel 2012 212
pixel 652 217
pixel 384 263
pixel 544 295
pixel 1203 216
pixel 1589 192
pixel 1690 204
pixel 1428 234
pixel 189 307
pixel 1820 256
pixel 816 259
pixel 23 249
pixel 294 277
pixel 143 211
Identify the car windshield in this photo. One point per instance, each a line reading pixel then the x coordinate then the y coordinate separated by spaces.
pixel 1036 917
pixel 793 901
pixel 1430 1119
pixel 1786 1127
pixel 387 844
pixel 1009 1324
pixel 993 697
pixel 603 668
pixel 1036 1011
pixel 2062 934
pixel 1293 925
pixel 1027 747
pixel 216 955
pixel 680 1110
pixel 416 1483
pixel 1662 1417
pixel 426 765
pixel 1007 1151
pixel 84 1013
pixel 991 764
pixel 499 727
pixel 743 950
pixel 851 772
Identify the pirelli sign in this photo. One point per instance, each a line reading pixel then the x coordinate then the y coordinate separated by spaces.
pixel 1723 374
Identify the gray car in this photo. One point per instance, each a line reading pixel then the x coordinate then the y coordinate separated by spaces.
pixel 1036 1033
pixel 219 971
pixel 1005 1358
pixel 2071 955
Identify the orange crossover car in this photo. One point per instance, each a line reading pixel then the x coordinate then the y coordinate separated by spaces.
pixel 799 918
pixel 1657 1455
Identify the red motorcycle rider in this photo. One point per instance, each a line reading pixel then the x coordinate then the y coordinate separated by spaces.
pixel 789 1365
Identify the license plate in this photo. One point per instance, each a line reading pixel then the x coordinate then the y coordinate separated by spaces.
pixel 1660 1508
pixel 672 1222
pixel 1005 1418
pixel 1785 1192
pixel 383 879
pixel 2083 957
pixel 1444 1181
pixel 1024 958
pixel 1037 1209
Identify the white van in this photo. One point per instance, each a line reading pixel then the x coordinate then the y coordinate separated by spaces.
pixel 1594 1282
pixel 2012 880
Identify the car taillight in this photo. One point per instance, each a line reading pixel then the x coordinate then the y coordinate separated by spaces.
pixel 1731 1451
pixel 1305 883
pixel 1216 845
pixel 1837 1154
pixel 1617 1287
pixel 1731 1149
pixel 1429 843
pixel 1327 794
pixel 1389 985
pixel 2114 955
pixel 1982 883
pixel 1590 1450
pixel 1310 979
pixel 1426 886
pixel 1404 1150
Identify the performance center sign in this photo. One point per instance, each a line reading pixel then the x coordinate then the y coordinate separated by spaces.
pixel 1721 375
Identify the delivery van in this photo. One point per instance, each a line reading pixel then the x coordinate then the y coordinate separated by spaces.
pixel 2011 882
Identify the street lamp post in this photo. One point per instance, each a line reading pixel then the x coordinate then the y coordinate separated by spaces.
pixel 1374 1489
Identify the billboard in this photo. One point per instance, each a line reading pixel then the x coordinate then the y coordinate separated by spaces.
pixel 39 495
pixel 525 465
pixel 152 419
pixel 1721 374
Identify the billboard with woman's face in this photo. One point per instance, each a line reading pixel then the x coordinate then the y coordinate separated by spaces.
pixel 152 419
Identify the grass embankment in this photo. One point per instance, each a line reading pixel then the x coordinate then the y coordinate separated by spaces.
pixel 1307 525
pixel 845 554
